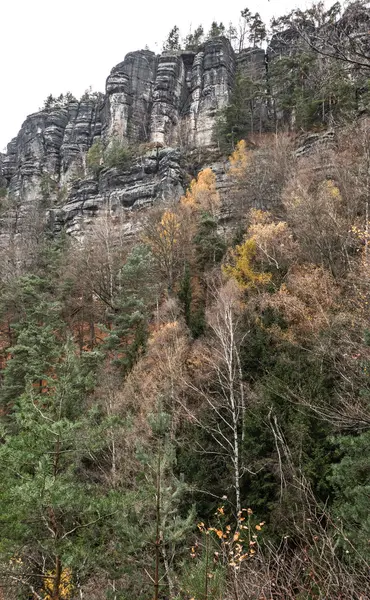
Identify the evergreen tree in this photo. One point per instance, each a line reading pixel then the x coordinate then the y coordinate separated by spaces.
pixel 185 294
pixel 173 40
pixel 351 480
pixel 194 40
pixel 52 508
pixel 209 245
pixel 257 30
pixel 217 30
pixel 129 321
pixel 242 116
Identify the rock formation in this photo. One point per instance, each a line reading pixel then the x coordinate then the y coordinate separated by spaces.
pixel 164 102
pixel 160 107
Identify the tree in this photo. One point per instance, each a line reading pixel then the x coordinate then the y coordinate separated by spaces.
pixel 209 245
pixel 95 157
pixel 116 155
pixel 239 265
pixel 173 40
pixel 194 40
pixel 34 348
pixel 51 508
pixel 129 320
pixel 49 102
pixel 246 17
pixel 330 34
pixel 258 175
pixel 250 27
pixel 351 479
pixel 276 248
pixel 202 194
pixel 170 526
pixel 217 30
pixel 324 239
pixel 242 116
pixel 222 389
pixel 257 30
pixel 163 234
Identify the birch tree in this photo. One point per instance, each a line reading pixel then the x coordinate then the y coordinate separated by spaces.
pixel 222 389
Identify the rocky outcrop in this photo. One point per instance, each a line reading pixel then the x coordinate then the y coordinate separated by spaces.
pixel 170 99
pixel 212 80
pixel 314 142
pixel 129 97
pixel 50 149
pixel 3 181
pixel 166 102
pixel 156 176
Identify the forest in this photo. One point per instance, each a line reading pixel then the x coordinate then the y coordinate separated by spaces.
pixel 184 405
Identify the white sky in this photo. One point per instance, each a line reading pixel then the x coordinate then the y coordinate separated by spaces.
pixel 53 47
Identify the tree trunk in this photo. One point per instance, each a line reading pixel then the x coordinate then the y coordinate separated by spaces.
pixel 57 579
pixel 157 536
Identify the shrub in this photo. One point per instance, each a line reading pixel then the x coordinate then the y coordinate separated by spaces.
pixel 94 157
pixel 117 155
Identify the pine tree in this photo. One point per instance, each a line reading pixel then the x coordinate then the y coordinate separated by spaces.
pixel 351 480
pixel 173 40
pixel 194 40
pixel 217 30
pixel 52 507
pixel 129 321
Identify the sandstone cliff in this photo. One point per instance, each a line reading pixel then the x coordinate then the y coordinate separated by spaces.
pixel 163 108
pixel 164 102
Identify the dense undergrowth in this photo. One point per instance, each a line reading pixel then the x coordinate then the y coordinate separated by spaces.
pixel 185 414
pixel 184 396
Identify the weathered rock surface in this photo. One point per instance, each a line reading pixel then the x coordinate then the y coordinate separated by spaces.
pixel 160 105
pixel 170 97
pixel 167 101
pixel 157 176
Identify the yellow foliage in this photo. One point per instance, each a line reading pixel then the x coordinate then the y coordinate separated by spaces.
pixel 332 189
pixel 166 234
pixel 274 241
pixel 239 266
pixel 169 225
pixel 235 546
pixel 202 193
pixel 65 588
pixel 238 161
pixel 259 217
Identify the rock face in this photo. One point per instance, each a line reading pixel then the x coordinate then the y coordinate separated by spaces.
pixel 156 106
pixel 169 99
pixel 164 102
pixel 150 178
pixel 49 151
pixel 129 97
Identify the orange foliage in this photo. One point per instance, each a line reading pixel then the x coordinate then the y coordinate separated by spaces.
pixel 307 301
pixel 239 160
pixel 202 193
pixel 158 374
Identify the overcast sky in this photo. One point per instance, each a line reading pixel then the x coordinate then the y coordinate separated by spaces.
pixel 53 47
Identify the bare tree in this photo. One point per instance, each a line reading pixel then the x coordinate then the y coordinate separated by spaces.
pixel 221 387
pixel 341 37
